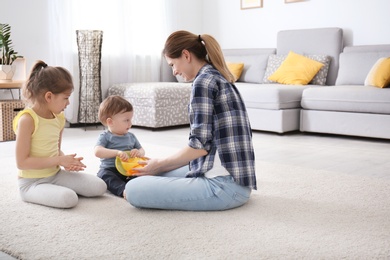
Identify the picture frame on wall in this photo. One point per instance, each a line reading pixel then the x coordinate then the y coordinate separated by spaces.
pixel 248 4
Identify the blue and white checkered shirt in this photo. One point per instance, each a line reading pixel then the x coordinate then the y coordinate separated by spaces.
pixel 219 121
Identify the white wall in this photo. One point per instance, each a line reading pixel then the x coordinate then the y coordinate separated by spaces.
pixel 29 31
pixel 363 22
pixel 29 24
pixel 29 35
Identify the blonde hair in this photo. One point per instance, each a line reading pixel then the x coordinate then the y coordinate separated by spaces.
pixel 44 78
pixel 204 47
pixel 111 106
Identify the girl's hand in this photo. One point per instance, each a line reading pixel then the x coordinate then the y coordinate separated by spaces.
pixel 123 156
pixel 71 162
pixel 74 168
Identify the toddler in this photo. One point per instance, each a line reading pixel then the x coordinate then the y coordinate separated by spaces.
pixel 116 114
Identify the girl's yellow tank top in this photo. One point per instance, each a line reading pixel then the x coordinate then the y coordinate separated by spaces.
pixel 44 141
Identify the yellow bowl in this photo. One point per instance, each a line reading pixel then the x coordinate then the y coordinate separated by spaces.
pixel 129 165
pixel 126 167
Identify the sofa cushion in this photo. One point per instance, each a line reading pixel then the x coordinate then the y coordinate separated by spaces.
pixel 235 69
pixel 354 66
pixel 322 74
pixel 352 98
pixel 254 67
pixel 255 62
pixel 328 41
pixel 379 75
pixel 296 69
pixel 274 97
pixel 275 60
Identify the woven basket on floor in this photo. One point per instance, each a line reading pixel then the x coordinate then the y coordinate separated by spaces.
pixel 8 110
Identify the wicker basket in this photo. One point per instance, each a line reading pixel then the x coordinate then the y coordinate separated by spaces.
pixel 8 110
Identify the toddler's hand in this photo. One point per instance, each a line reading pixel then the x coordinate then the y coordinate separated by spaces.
pixel 135 153
pixel 123 156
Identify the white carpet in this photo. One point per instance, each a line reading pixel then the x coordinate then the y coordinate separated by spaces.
pixel 297 213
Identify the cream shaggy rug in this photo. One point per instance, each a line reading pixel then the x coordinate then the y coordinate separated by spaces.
pixel 297 213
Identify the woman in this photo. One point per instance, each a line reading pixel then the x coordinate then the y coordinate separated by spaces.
pixel 220 154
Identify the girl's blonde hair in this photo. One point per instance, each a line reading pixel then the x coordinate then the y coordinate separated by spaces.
pixel 44 78
pixel 204 47
pixel 111 106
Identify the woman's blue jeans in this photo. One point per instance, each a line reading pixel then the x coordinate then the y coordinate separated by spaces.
pixel 172 190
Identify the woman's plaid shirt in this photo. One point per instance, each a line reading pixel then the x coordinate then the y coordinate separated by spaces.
pixel 219 120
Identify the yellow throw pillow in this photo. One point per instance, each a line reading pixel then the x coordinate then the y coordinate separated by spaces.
pixel 379 75
pixel 296 69
pixel 235 69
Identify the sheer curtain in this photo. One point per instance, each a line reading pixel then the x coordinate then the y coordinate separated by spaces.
pixel 133 36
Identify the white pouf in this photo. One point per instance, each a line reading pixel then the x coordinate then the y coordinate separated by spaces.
pixel 156 104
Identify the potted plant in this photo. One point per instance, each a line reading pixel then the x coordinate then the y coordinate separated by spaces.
pixel 7 53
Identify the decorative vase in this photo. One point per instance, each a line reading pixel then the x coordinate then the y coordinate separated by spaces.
pixel 89 44
pixel 7 72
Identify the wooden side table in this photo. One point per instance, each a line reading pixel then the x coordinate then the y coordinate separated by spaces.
pixel 12 84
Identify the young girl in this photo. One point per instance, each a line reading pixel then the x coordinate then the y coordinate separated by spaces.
pixel 38 131
pixel 221 172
